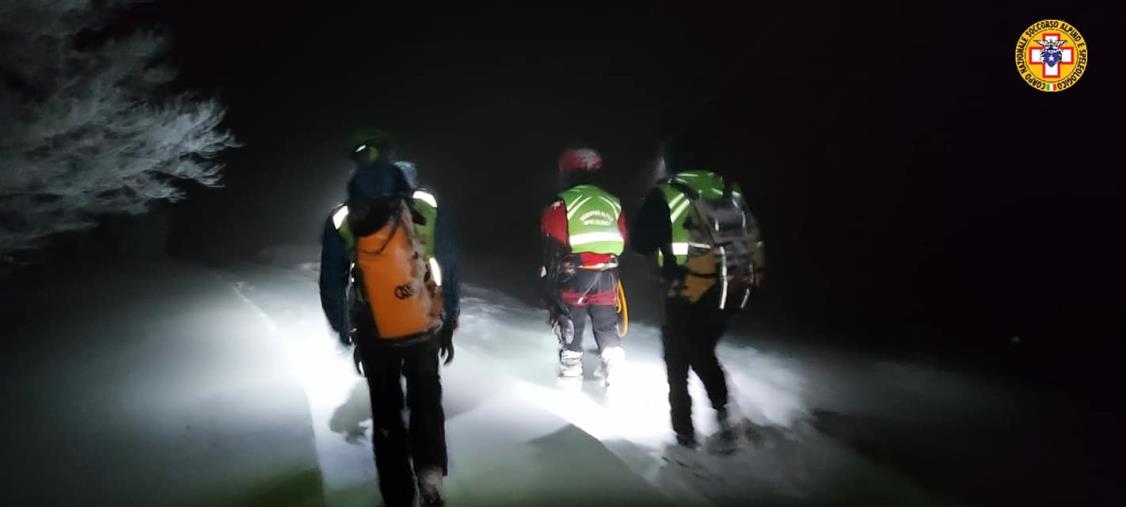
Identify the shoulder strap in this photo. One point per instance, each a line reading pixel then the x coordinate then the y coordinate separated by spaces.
pixel 683 188
pixel 728 188
pixel 691 193
pixel 416 215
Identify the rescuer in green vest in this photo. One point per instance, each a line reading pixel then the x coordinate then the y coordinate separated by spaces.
pixel 584 233
pixel 711 258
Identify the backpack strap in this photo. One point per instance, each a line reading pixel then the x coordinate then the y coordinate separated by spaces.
pixel 683 188
pixel 728 188
pixel 666 249
pixel 691 193
pixel 391 235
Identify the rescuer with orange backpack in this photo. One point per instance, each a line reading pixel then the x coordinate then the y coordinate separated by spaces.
pixel 389 286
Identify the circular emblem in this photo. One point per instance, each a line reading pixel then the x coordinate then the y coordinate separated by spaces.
pixel 1051 55
pixel 404 291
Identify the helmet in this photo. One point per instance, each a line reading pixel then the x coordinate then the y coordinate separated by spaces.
pixel 579 159
pixel 369 144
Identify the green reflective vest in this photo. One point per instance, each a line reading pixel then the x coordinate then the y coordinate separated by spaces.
pixel 427 206
pixel 424 203
pixel 708 185
pixel 592 220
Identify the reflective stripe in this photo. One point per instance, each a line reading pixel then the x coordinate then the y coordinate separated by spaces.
pixel 592 220
pixel 681 248
pixel 617 207
pixel 723 278
pixel 436 271
pixel 339 216
pixel 587 238
pixel 677 200
pixel 575 208
pixel 601 266
pixel 426 197
pixel 680 210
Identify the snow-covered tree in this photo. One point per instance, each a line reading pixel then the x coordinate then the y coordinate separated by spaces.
pixel 89 125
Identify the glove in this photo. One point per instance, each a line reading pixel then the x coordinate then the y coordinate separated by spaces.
pixel 564 329
pixel 345 338
pixel 358 362
pixel 446 342
pixel 671 271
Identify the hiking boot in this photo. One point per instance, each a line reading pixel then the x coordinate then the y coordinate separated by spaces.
pixel 726 439
pixel 571 364
pixel 612 360
pixel 726 428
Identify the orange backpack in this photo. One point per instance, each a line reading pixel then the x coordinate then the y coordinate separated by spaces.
pixel 397 281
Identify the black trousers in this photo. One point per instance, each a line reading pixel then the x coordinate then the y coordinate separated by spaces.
pixel 604 323
pixel 395 445
pixel 599 289
pixel 689 336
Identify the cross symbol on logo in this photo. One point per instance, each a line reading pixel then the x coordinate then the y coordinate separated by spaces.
pixel 1050 68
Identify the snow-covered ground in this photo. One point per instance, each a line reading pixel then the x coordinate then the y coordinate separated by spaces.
pixel 517 437
pixel 174 384
pixel 150 384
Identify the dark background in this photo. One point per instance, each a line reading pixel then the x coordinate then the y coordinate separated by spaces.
pixel 915 194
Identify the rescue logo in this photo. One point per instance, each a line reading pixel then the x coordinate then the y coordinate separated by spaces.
pixel 404 291
pixel 1051 55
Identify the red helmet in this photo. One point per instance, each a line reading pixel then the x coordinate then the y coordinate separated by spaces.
pixel 579 159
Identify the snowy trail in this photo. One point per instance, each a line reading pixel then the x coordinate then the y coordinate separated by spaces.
pixel 337 396
pixel 518 438
pixel 501 443
pixel 151 384
pixel 167 384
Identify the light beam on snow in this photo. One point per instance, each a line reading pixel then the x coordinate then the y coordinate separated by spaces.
pixel 764 389
pixel 510 357
pixel 326 372
pixel 635 408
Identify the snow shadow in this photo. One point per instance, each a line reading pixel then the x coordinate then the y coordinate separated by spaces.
pixel 348 419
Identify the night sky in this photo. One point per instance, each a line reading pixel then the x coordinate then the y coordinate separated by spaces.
pixel 904 175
